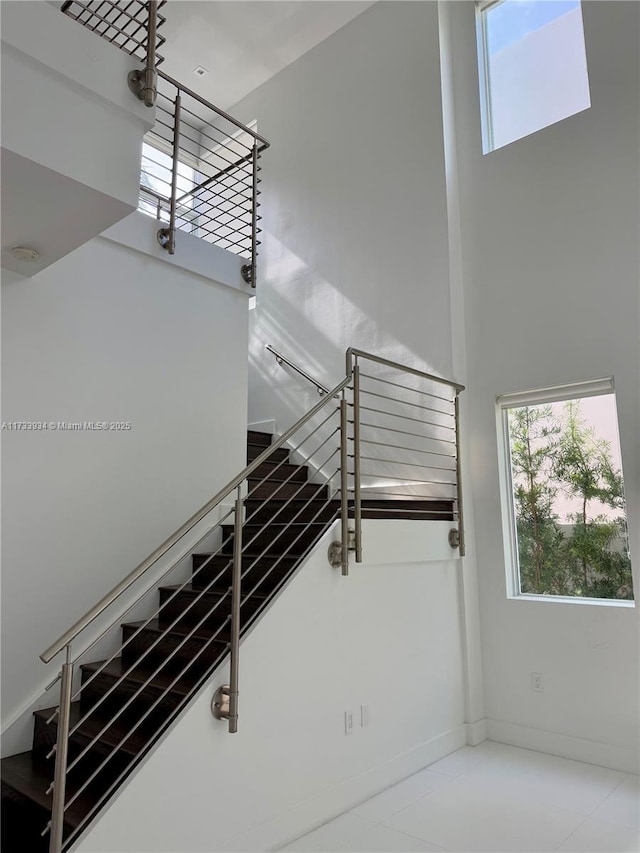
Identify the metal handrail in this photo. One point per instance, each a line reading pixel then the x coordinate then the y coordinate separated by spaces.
pixel 352 353
pixel 185 90
pixel 107 600
pixel 282 359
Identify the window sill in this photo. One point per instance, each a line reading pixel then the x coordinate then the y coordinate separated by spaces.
pixel 566 599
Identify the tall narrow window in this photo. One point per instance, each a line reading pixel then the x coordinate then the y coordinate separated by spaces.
pixel 563 492
pixel 533 66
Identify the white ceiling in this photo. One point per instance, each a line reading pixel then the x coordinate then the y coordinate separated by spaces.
pixel 242 43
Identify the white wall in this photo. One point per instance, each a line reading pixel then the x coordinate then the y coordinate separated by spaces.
pixel 109 333
pixel 387 636
pixel 354 207
pixel 549 228
pixel 71 134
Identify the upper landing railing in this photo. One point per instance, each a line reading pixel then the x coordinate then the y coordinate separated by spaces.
pixel 200 166
pixel 201 174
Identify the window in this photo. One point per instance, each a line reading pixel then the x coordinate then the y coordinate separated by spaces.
pixel 155 183
pixel 533 66
pixel 563 493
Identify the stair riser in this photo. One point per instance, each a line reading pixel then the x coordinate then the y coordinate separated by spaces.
pixel 260 438
pixel 280 472
pixel 263 513
pixel 275 540
pixel 264 573
pixel 22 822
pixel 190 652
pixel 255 450
pixel 190 612
pixel 44 738
pixel 284 491
pixel 122 693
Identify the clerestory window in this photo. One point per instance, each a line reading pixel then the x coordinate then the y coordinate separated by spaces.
pixel 532 66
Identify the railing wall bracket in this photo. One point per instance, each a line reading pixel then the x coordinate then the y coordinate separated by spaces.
pixel 221 703
pixel 246 271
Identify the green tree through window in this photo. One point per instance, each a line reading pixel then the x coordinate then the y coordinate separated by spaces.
pixel 568 503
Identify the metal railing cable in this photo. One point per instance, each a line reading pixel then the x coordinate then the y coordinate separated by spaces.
pixel 124 25
pixel 202 167
pixel 279 511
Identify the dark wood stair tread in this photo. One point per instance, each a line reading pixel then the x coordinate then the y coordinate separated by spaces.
pixel 116 731
pixel 190 590
pixel 154 627
pixel 138 675
pixel 31 779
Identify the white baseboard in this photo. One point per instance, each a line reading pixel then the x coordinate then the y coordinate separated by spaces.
pixel 476 732
pixel 263 426
pixel 626 760
pixel 329 804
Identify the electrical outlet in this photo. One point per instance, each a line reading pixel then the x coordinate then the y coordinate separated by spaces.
pixel 348 722
pixel 364 715
pixel 536 682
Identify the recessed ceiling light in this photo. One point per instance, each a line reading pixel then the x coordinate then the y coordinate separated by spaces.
pixel 22 253
pixel 200 71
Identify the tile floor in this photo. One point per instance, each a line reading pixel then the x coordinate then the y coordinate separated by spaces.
pixel 492 798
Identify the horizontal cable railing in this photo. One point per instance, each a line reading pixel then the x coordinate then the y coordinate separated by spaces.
pixel 201 174
pixel 169 650
pixel 123 24
pixel 406 434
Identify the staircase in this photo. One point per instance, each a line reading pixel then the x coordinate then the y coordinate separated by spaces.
pixel 126 705
pixel 406 421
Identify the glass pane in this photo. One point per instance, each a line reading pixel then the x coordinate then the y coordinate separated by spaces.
pixel 568 499
pixel 535 67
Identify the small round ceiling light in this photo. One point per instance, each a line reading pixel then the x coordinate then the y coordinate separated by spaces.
pixel 23 253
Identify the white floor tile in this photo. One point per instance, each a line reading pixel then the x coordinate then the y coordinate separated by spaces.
pixel 399 796
pixel 381 839
pixel 460 817
pixel 331 835
pixel 622 806
pixel 598 836
pixel 546 779
pixel 458 762
pixel 492 798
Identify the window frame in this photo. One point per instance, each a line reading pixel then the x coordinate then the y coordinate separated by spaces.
pixel 482 7
pixel 482 43
pixel 535 397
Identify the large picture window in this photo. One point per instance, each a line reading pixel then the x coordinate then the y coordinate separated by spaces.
pixel 563 493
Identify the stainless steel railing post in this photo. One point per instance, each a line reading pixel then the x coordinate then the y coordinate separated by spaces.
pixel 150 69
pixel 344 486
pixel 167 236
pixel 248 271
pixel 62 744
pixel 456 404
pixel 236 600
pixel 356 462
